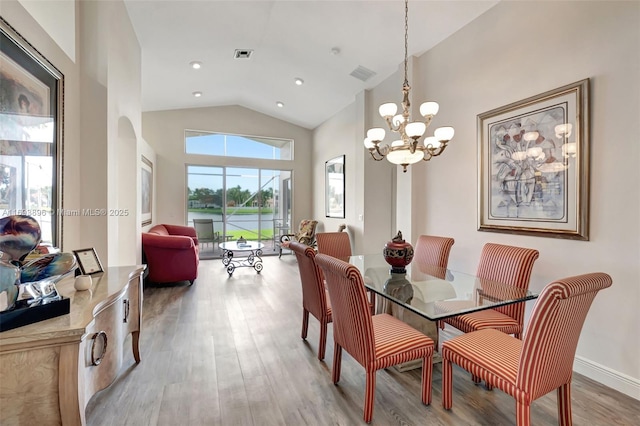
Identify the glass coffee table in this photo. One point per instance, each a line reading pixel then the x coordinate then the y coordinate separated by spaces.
pixel 253 259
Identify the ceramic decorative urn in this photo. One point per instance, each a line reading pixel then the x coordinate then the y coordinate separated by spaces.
pixel 398 253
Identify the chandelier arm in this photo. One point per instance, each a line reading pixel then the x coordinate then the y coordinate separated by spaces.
pixel 393 128
pixel 372 152
pixel 434 152
pixel 381 152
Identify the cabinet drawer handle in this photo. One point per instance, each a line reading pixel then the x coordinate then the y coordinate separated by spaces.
pixel 126 310
pixel 98 347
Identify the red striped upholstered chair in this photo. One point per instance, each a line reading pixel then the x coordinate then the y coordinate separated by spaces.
pixel 315 299
pixel 377 341
pixel 543 361
pixel 508 265
pixel 432 254
pixel 336 244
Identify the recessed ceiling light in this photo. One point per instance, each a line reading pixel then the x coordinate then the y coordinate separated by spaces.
pixel 196 65
pixel 197 94
pixel 279 104
pixel 299 81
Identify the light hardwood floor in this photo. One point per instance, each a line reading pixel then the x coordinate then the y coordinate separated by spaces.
pixel 227 351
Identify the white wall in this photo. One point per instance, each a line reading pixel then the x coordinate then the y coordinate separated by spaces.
pixel 326 147
pixel 513 51
pixel 58 18
pixel 164 131
pixel 488 64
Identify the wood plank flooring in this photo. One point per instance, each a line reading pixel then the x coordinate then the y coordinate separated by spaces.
pixel 227 351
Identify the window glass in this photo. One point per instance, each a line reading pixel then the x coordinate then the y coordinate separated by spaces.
pixel 206 143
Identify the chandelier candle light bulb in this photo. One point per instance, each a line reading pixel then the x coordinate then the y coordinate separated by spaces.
pixel 408 149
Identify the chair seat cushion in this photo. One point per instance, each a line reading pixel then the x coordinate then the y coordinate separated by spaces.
pixel 481 320
pixel 397 342
pixel 489 349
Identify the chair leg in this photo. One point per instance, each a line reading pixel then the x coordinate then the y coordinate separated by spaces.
pixel 523 414
pixel 369 395
pixel 372 302
pixel 305 323
pixel 427 371
pixel 337 363
pixel 323 340
pixel 564 405
pixel 447 384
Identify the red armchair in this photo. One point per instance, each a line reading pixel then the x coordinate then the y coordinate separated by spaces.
pixel 171 253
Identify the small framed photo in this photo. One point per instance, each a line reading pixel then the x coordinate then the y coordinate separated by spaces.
pixel 88 261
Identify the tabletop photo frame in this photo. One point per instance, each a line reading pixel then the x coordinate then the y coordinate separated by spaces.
pixel 534 165
pixel 88 261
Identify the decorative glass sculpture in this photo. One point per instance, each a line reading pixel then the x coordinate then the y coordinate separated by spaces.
pixel 19 234
pixel 9 284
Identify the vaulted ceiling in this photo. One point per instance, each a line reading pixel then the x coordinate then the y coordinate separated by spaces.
pixel 321 42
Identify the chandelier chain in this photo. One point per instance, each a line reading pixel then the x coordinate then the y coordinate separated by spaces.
pixel 406 39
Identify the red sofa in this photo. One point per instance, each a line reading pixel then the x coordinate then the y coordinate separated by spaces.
pixel 171 253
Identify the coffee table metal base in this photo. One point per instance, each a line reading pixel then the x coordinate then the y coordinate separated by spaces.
pixel 253 260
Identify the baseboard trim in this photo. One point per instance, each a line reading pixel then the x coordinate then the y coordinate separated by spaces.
pixel 608 377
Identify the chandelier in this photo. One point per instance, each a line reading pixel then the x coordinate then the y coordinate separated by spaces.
pixel 409 149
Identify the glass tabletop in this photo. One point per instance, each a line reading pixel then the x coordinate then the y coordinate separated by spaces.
pixel 435 293
pixel 236 246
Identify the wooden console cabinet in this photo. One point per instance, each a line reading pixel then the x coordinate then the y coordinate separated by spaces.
pixel 49 370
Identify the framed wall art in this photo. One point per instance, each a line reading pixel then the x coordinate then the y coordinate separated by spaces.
pixel 31 98
pixel 146 190
pixel 334 187
pixel 534 165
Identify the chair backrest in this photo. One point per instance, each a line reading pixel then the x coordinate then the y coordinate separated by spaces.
pixel 551 338
pixel 314 298
pixel 508 265
pixel 432 254
pixel 307 232
pixel 351 313
pixel 204 229
pixel 336 244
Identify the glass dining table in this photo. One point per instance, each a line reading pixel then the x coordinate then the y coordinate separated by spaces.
pixel 432 292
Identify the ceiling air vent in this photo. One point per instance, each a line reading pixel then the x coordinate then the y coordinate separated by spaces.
pixel 243 53
pixel 362 73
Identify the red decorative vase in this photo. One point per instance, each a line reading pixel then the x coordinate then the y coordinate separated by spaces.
pixel 398 253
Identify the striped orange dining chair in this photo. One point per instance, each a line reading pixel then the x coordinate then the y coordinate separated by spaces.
pixel 336 244
pixel 374 341
pixel 543 361
pixel 507 265
pixel 314 295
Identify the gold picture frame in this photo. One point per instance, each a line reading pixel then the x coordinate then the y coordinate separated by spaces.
pixel 146 191
pixel 31 133
pixel 334 187
pixel 534 165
